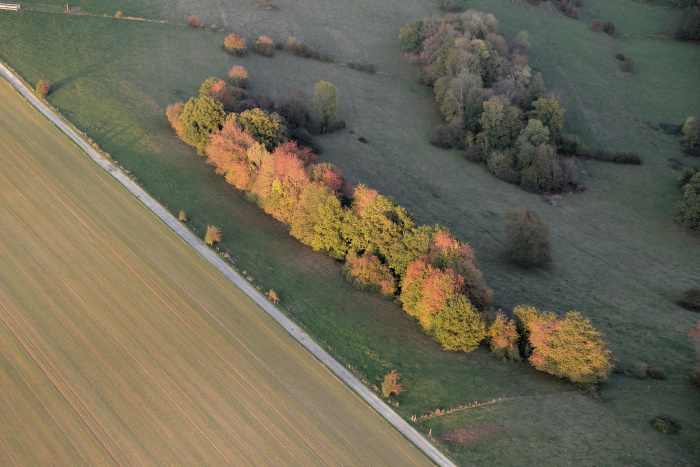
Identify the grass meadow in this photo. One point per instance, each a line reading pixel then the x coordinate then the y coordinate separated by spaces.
pixel 122 345
pixel 618 258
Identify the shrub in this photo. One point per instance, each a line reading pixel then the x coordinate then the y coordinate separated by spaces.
pixel 596 25
pixel 272 295
pixel 503 338
pixel 449 6
pixel 238 76
pixel 264 46
pixel 442 137
pixel 236 45
pixel 572 145
pixel 609 28
pixel 368 273
pixel 528 238
pixel 182 217
pixel 294 109
pixel 691 299
pixel 617 157
pixel 119 15
pixel 641 370
pixel 628 65
pixel 655 373
pixel 194 22
pixel 695 375
pixel 326 105
pixel 665 425
pixel 43 88
pixel 213 235
pixel 390 384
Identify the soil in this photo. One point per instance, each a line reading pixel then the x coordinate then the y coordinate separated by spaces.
pixel 469 436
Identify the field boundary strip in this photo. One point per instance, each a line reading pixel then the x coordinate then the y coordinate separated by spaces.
pixel 198 245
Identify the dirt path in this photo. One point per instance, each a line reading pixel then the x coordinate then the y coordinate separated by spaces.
pixel 300 336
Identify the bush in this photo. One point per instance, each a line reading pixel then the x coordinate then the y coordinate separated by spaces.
pixel 655 373
pixel 685 26
pixel 272 295
pixel 368 273
pixel 641 370
pixel 119 15
pixel 617 157
pixel 691 299
pixel 264 46
pixel 691 133
pixel 695 375
pixel 503 338
pixel 182 217
pixel 236 45
pixel 442 137
pixel 213 235
pixel 628 65
pixel 609 28
pixel 194 22
pixel 665 425
pixel 174 114
pixel 572 145
pixel 238 76
pixel 390 384
pixel 449 6
pixel 43 88
pixel 528 238
pixel 596 25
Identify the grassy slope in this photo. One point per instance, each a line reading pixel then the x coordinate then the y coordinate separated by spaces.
pixel 619 260
pixel 121 343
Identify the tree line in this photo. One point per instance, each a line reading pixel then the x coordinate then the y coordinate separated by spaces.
pixel 431 273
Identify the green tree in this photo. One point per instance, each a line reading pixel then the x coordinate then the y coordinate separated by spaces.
pixel 691 133
pixel 326 105
pixel 688 208
pixel 200 117
pixel 549 111
pixel 318 222
pixel 411 36
pixel 528 238
pixel 500 125
pixel 265 127
pixel 459 326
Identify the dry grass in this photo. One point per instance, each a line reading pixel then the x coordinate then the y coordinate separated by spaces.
pixel 122 345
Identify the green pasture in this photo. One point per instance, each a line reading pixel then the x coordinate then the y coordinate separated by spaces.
pixel 618 259
pixel 122 345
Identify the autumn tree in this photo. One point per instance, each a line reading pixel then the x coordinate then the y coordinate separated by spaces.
pixel 236 45
pixel 528 238
pixel 223 94
pixel 174 114
pixel 207 85
pixel 200 117
pixel 458 326
pixel 264 46
pixel 43 88
pixel 326 105
pixel 367 272
pixel 238 75
pixel 213 235
pixel 569 348
pixel 503 337
pixel 390 384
